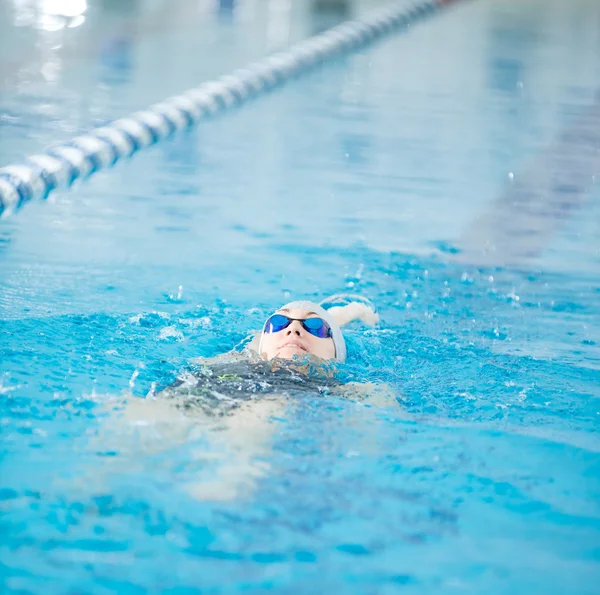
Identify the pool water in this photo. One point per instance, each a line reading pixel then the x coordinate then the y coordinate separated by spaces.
pixel 409 173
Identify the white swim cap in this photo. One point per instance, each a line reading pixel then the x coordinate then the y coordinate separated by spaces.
pixel 336 331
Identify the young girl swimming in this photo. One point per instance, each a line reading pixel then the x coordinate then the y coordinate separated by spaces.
pixel 231 405
pixel 296 351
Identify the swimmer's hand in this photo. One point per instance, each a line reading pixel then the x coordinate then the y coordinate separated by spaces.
pixel 354 311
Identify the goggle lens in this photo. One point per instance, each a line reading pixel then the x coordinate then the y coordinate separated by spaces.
pixel 315 326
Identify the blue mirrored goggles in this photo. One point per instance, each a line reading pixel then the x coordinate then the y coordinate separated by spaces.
pixel 315 326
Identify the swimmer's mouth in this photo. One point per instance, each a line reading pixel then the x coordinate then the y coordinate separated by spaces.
pixel 293 344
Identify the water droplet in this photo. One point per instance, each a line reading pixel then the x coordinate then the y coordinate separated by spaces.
pixel 132 379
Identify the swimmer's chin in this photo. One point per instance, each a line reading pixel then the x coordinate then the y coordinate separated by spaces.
pixel 289 351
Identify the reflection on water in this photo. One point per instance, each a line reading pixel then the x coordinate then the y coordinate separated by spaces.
pixel 540 199
pixel 226 7
pixel 559 175
pixel 116 51
pixel 329 13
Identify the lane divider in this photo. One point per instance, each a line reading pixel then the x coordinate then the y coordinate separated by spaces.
pixel 61 165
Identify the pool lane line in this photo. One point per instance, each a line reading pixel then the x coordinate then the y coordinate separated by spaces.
pixel 61 165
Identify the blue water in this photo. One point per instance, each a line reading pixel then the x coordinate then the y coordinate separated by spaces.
pixel 422 173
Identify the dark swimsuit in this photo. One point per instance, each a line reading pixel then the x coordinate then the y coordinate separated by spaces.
pixel 218 388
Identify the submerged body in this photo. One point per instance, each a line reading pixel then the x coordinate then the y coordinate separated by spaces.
pixel 227 417
pixel 297 351
pixel 230 406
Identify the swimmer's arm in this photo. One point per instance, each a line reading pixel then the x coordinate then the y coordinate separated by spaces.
pixel 237 443
pixel 244 441
pixel 354 311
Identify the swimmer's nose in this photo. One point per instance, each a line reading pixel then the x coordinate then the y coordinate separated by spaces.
pixel 295 329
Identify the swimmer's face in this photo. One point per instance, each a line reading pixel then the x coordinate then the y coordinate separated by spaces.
pixel 296 340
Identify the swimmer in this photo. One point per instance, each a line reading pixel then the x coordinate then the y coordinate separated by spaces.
pixel 234 399
pixel 296 351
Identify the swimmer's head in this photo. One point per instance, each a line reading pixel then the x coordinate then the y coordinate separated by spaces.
pixel 302 328
pixel 285 338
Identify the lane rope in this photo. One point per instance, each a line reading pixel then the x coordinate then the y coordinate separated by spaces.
pixel 39 175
